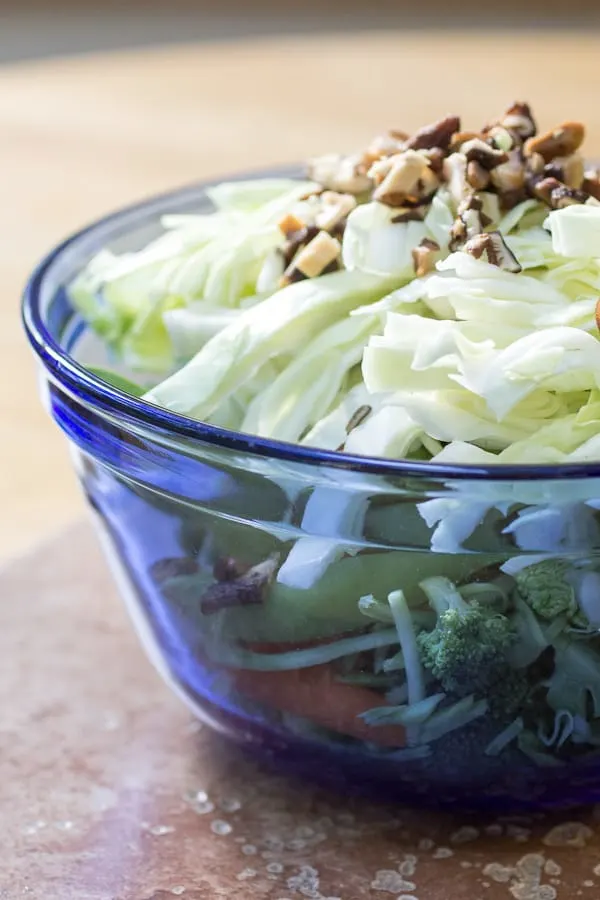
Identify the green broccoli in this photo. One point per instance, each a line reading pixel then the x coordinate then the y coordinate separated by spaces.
pixel 460 758
pixel 467 650
pixel 545 587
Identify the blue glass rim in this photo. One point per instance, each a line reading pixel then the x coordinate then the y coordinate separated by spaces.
pixel 66 370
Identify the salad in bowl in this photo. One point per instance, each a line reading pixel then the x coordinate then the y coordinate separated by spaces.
pixel 340 431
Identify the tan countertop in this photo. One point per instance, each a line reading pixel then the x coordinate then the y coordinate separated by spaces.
pixel 110 791
pixel 85 135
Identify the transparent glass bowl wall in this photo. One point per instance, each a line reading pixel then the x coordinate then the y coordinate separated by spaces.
pixel 176 501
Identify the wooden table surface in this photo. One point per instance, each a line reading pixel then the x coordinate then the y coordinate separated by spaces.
pixel 84 135
pixel 111 791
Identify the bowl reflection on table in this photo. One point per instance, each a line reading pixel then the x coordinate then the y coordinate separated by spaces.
pixel 231 549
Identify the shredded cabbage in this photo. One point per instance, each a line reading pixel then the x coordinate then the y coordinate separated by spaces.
pixel 469 363
pixel 388 309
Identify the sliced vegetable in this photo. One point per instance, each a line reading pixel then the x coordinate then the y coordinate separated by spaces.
pixel 119 381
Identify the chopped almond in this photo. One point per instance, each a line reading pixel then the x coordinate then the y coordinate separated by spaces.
pixel 316 256
pixel 561 141
pixel 290 225
pixel 424 257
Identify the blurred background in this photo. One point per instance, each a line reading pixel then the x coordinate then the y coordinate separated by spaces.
pixel 42 28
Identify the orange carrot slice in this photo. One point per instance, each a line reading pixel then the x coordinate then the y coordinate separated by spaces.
pixel 314 693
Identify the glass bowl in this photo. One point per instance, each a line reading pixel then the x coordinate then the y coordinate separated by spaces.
pixel 243 562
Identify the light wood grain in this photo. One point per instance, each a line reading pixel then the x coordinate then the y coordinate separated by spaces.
pixel 82 136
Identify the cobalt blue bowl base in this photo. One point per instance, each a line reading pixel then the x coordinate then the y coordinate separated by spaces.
pixel 360 775
pixel 469 781
pixel 156 480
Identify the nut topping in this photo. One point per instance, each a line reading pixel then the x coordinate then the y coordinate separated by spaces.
pixel 384 145
pixel 460 138
pixel 477 176
pixel 403 180
pixel 438 135
pixel 495 168
pixel 335 208
pixel 492 248
pixel 314 258
pixel 423 257
pixel 290 225
pixel 487 156
pixel 591 183
pixel 339 173
pixel 510 175
pixel 455 174
pixel 558 195
pixel 568 169
pixel 519 119
pixel 563 196
pixel 412 214
pixel 561 141
pixel 470 222
pixel 542 189
pixel 246 589
pixel 535 164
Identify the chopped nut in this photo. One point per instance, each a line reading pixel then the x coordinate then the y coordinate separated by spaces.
pixel 358 417
pixel 563 196
pixel 491 247
pixel 510 175
pixel 542 188
pixel 384 145
pixel 335 208
pixel 535 164
pixel 568 169
pixel 228 568
pixel 296 241
pixel 558 195
pixel 591 183
pixel 471 221
pixel 561 141
pixel 437 134
pixel 458 234
pixel 412 214
pixel 519 119
pixel 290 225
pixel 423 257
pixel 455 173
pixel 510 199
pixel 313 259
pixel 460 138
pixel 435 158
pixel 403 180
pixel 487 156
pixel 477 176
pixel 249 588
pixel 339 173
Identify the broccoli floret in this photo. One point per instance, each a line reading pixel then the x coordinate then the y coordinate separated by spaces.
pixel 466 651
pixel 544 586
pixel 509 694
pixel 459 759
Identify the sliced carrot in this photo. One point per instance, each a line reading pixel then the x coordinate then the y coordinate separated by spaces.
pixel 314 693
